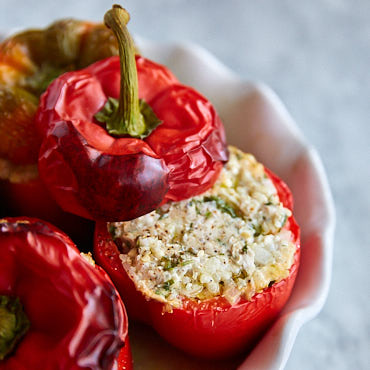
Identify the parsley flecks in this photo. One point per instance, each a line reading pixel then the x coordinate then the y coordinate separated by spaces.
pixel 257 230
pixel 184 263
pixel 112 229
pixel 167 284
pixel 169 263
pixel 161 213
pixel 284 221
pixel 221 205
pixel 164 288
pixel 195 202
pixel 243 274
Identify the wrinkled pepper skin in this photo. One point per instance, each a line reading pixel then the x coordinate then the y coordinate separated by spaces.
pixel 127 177
pixel 213 328
pixel 77 319
pixel 28 62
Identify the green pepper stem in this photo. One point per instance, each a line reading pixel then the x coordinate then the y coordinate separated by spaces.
pixel 128 109
pixel 128 115
pixel 13 324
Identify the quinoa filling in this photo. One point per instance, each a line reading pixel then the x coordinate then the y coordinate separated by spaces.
pixel 229 241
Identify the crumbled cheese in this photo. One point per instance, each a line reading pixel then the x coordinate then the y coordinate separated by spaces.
pixel 228 241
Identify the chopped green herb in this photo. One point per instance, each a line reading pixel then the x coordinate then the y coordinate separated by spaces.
pixel 112 229
pixel 169 263
pixel 195 202
pixel 257 230
pixel 245 248
pixel 162 213
pixel 208 214
pixel 284 220
pixel 221 205
pixel 167 284
pixel 178 237
pixel 268 203
pixel 243 274
pixel 184 263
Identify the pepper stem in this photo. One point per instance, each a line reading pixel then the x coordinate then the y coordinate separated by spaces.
pixel 13 324
pixel 128 115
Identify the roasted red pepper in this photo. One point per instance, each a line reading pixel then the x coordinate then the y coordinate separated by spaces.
pixel 212 328
pixel 57 310
pixel 100 158
pixel 29 61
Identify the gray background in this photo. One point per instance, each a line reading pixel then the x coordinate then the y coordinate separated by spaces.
pixel 316 56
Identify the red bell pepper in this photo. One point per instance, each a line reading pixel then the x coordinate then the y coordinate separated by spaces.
pixel 57 310
pixel 29 61
pixel 212 328
pixel 106 159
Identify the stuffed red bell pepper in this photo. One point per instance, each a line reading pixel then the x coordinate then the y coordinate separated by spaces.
pixel 210 273
pixel 29 61
pixel 57 309
pixel 108 155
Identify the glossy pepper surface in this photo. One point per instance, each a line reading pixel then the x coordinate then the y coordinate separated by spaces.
pixel 109 160
pixel 72 314
pixel 29 61
pixel 211 328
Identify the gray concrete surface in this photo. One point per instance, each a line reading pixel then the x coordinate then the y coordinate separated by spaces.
pixel 316 56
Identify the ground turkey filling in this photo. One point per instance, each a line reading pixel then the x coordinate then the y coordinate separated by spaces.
pixel 228 242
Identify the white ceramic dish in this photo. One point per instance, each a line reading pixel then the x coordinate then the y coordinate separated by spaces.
pixel 257 122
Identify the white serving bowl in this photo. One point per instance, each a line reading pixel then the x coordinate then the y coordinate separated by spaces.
pixel 256 121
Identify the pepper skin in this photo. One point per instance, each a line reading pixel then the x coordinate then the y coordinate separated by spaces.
pixel 29 61
pixel 77 319
pixel 100 176
pixel 212 328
